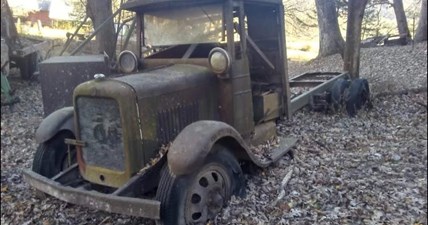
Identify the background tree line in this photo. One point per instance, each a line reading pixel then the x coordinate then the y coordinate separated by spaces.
pixel 360 16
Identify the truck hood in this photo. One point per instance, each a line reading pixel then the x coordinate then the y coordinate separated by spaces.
pixel 168 79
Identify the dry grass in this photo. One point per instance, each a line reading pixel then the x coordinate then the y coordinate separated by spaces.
pixel 302 50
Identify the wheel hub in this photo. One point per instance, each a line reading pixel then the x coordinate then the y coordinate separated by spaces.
pixel 215 201
pixel 206 196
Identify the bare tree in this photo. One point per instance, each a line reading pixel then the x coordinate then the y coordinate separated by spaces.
pixel 353 36
pixel 400 16
pixel 330 38
pixel 300 17
pixel 421 31
pixel 99 11
pixel 8 28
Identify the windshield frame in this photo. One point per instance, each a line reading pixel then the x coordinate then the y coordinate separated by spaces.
pixel 184 25
pixel 141 37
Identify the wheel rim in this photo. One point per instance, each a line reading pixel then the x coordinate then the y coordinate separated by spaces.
pixel 207 195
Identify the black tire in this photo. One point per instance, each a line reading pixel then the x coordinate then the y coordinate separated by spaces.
pixel 358 96
pixel 219 178
pixel 51 157
pixel 28 65
pixel 337 93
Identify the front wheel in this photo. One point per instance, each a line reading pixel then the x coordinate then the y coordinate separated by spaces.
pixel 52 156
pixel 197 198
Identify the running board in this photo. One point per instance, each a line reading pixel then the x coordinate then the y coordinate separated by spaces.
pixel 266 158
pixel 285 144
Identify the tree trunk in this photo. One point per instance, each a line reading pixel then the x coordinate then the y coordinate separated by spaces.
pixel 421 31
pixel 330 39
pixel 353 37
pixel 400 16
pixel 99 11
pixel 8 28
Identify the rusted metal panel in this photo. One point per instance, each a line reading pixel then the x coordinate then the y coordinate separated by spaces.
pixel 173 120
pixel 106 202
pixel 172 78
pixel 310 83
pixel 60 75
pixel 162 90
pixel 124 95
pixel 61 119
pixel 195 142
pixel 266 107
pixel 284 145
pixel 142 97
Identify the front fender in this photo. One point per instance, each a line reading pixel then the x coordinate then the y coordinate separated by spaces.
pixel 61 119
pixel 194 143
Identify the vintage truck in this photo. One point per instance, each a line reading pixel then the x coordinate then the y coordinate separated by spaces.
pixel 170 136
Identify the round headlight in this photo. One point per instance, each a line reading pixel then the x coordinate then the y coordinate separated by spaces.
pixel 219 60
pixel 128 62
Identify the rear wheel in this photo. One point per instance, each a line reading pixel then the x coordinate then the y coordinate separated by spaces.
pixel 52 157
pixel 358 96
pixel 200 196
pixel 337 93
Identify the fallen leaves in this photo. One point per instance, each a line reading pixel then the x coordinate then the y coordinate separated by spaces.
pixel 370 169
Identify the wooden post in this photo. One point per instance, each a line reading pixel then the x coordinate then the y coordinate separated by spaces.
pixel 353 37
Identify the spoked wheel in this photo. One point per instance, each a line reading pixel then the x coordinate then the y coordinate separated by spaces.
pixel 207 194
pixel 199 197
pixel 52 156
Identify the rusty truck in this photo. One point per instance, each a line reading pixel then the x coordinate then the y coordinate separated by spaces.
pixel 169 136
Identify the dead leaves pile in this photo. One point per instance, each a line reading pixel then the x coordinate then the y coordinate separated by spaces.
pixel 370 169
pixel 365 170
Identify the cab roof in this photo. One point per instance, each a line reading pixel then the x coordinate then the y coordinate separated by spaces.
pixel 143 5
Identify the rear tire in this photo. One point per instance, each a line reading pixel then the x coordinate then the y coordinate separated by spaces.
pixel 337 93
pixel 198 197
pixel 358 96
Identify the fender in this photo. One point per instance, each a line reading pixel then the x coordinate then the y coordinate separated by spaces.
pixel 61 119
pixel 194 143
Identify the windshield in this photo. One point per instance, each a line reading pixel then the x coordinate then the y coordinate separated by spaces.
pixel 201 24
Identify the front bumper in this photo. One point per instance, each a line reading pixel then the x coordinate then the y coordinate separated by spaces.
pixel 107 202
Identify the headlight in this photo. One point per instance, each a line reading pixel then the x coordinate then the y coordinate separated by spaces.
pixel 128 62
pixel 219 61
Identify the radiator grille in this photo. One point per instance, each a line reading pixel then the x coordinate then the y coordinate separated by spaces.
pixel 172 121
pixel 100 127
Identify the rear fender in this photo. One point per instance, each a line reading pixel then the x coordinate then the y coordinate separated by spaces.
pixel 59 120
pixel 190 148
